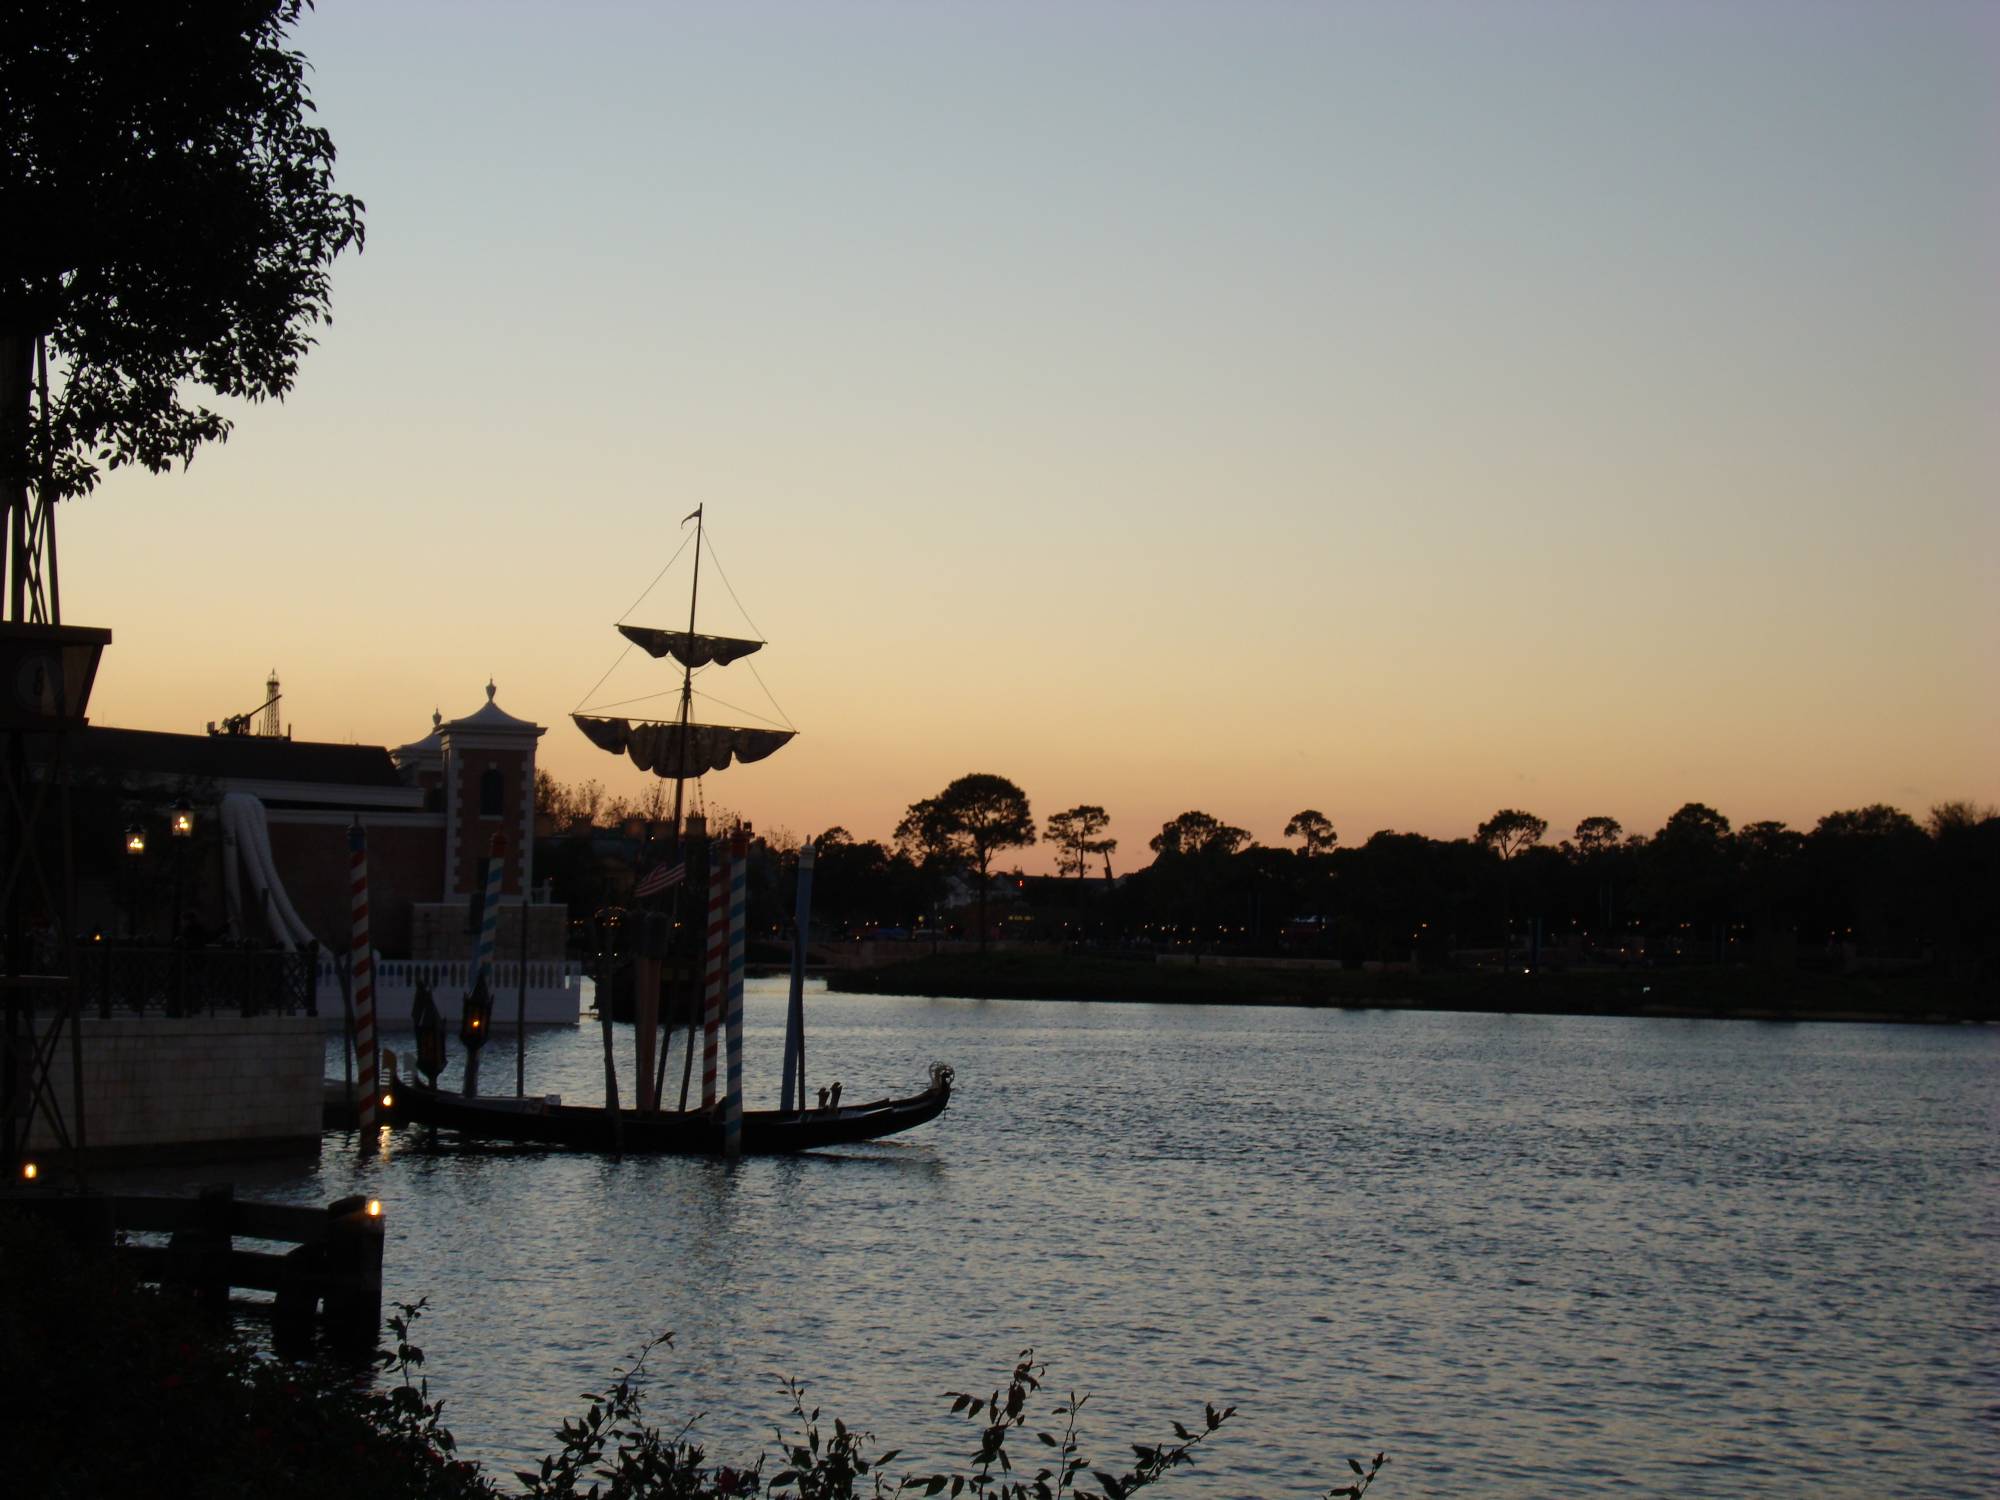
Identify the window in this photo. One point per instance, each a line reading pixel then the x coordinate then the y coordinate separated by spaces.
pixel 490 783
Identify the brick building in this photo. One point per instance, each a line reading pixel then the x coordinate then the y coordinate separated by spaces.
pixel 431 809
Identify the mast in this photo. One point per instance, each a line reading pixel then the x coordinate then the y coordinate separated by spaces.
pixel 687 677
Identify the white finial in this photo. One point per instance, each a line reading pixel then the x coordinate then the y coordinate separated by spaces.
pixel 489 690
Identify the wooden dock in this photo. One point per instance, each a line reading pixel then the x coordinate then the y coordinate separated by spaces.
pixel 330 1277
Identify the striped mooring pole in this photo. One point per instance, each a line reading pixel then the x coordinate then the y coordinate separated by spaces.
pixel 482 963
pixel 732 1100
pixel 715 977
pixel 361 968
pixel 793 1094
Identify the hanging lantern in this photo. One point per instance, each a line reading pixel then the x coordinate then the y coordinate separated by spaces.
pixel 428 1022
pixel 478 1017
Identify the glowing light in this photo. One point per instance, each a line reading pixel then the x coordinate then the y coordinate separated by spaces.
pixel 388 1101
pixel 374 1208
pixel 29 1171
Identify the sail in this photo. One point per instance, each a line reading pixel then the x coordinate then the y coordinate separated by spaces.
pixel 658 747
pixel 687 648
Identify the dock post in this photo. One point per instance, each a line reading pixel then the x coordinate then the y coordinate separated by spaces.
pixel 353 1270
pixel 201 1252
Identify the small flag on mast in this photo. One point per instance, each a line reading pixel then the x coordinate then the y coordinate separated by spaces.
pixel 659 878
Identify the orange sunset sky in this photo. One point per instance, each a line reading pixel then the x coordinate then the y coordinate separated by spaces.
pixel 1400 410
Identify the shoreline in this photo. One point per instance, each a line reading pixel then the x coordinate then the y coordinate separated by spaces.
pixel 1677 993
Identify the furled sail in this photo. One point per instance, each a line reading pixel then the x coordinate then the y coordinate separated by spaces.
pixel 690 650
pixel 658 747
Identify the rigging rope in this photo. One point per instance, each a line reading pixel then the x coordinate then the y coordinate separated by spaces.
pixel 783 717
pixel 620 657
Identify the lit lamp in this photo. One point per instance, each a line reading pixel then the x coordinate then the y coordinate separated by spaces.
pixel 472 1028
pixel 135 840
pixel 182 823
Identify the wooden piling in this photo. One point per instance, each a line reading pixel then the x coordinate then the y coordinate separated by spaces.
pixel 353 1275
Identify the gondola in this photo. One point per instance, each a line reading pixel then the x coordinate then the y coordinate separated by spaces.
pixel 766 1132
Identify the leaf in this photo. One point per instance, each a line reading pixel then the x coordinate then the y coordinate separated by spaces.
pixel 1354 1466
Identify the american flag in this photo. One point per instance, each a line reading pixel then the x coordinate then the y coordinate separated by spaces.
pixel 659 878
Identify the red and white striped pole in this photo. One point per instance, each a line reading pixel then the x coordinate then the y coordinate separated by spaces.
pixel 361 972
pixel 716 974
pixel 732 1099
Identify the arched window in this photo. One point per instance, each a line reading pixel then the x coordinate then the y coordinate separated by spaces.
pixel 490 783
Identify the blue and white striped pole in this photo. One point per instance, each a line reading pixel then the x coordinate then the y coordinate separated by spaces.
pixel 732 1027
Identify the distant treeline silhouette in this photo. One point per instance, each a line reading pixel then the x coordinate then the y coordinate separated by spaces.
pixel 1865 886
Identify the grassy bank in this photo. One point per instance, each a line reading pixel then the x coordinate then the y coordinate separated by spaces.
pixel 1750 994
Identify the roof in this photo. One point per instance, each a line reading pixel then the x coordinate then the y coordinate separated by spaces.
pixel 231 757
pixel 490 720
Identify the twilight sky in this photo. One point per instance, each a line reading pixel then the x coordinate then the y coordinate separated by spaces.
pixel 1404 410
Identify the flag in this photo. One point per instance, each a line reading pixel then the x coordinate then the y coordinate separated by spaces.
pixel 659 878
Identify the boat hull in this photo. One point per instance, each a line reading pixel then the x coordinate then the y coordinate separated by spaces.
pixel 766 1132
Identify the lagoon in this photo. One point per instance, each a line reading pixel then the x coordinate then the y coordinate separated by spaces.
pixel 1578 1255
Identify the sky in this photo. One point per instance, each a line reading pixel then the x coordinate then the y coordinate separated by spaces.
pixel 1400 410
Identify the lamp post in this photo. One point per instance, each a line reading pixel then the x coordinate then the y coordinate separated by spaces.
pixel 181 825
pixel 135 850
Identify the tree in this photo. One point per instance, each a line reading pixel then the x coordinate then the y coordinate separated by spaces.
pixel 171 221
pixel 968 822
pixel 1314 830
pixel 1595 835
pixel 1074 833
pixel 1509 831
pixel 1197 833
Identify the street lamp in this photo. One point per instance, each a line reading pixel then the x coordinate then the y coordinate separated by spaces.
pixel 183 819
pixel 135 849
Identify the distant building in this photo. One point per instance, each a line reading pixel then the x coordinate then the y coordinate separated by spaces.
pixel 431 809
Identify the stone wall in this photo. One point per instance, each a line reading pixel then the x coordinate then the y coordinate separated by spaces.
pixel 154 1082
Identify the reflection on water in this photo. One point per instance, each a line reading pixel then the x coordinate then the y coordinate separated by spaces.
pixel 1591 1256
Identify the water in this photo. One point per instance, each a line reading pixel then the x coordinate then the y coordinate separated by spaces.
pixel 1544 1255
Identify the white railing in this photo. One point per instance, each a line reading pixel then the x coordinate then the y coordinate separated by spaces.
pixel 555 989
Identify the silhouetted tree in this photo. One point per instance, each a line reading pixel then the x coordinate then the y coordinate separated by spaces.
pixel 1691 863
pixel 170 221
pixel 969 821
pixel 1312 829
pixel 1594 835
pixel 1195 833
pixel 1507 833
pixel 1867 866
pixel 1075 835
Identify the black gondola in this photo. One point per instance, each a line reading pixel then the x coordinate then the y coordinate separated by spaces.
pixel 766 1132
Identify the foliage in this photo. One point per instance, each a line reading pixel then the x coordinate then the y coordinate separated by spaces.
pixel 967 824
pixel 172 220
pixel 1197 834
pixel 1595 835
pixel 1314 830
pixel 1509 831
pixel 1075 832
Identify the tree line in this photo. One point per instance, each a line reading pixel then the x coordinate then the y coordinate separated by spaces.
pixel 1869 883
